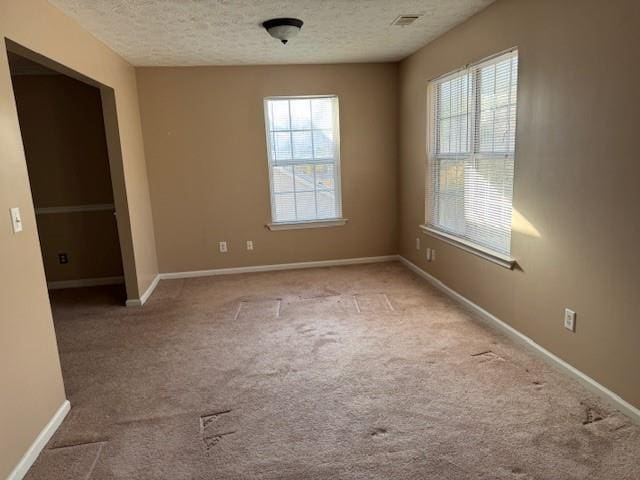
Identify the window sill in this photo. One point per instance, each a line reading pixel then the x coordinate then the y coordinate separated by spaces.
pixel 495 257
pixel 334 222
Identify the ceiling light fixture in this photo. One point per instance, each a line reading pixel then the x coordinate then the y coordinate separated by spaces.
pixel 283 28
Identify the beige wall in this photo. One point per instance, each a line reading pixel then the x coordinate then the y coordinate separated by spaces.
pixel 32 388
pixel 205 142
pixel 575 183
pixel 65 146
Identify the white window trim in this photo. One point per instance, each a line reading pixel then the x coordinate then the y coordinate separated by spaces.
pixel 333 222
pixel 328 222
pixel 506 261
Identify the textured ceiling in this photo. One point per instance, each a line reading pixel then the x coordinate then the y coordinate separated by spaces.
pixel 228 32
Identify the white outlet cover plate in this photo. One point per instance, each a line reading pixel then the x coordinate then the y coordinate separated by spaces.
pixel 569 319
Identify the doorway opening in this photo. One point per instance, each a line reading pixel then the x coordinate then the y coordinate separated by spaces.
pixel 64 124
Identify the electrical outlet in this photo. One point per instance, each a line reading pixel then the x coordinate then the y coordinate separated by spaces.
pixel 569 319
pixel 63 258
pixel 428 254
pixel 222 247
pixel 417 243
pixel 249 244
pixel 433 254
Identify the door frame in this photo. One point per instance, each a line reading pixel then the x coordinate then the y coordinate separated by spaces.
pixel 114 150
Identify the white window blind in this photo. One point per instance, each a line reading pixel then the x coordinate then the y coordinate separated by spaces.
pixel 472 152
pixel 304 158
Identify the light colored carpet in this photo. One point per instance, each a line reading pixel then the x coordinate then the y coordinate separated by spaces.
pixel 362 372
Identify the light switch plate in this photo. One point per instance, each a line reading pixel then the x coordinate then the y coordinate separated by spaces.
pixel 16 220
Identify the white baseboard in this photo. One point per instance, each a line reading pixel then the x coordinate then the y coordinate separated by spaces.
pixel 138 302
pixel 85 282
pixel 279 266
pixel 39 443
pixel 607 395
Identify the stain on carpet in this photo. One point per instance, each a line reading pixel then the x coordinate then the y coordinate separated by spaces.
pixel 518 473
pixel 323 293
pixel 321 342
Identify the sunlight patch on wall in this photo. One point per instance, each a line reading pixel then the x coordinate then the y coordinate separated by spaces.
pixel 521 225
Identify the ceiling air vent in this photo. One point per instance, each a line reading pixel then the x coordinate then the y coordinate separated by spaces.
pixel 405 20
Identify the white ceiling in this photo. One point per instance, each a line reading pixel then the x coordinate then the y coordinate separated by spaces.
pixel 228 32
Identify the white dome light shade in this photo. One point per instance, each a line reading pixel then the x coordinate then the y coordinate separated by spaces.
pixel 283 28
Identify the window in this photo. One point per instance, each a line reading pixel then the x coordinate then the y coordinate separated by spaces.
pixel 472 154
pixel 304 158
